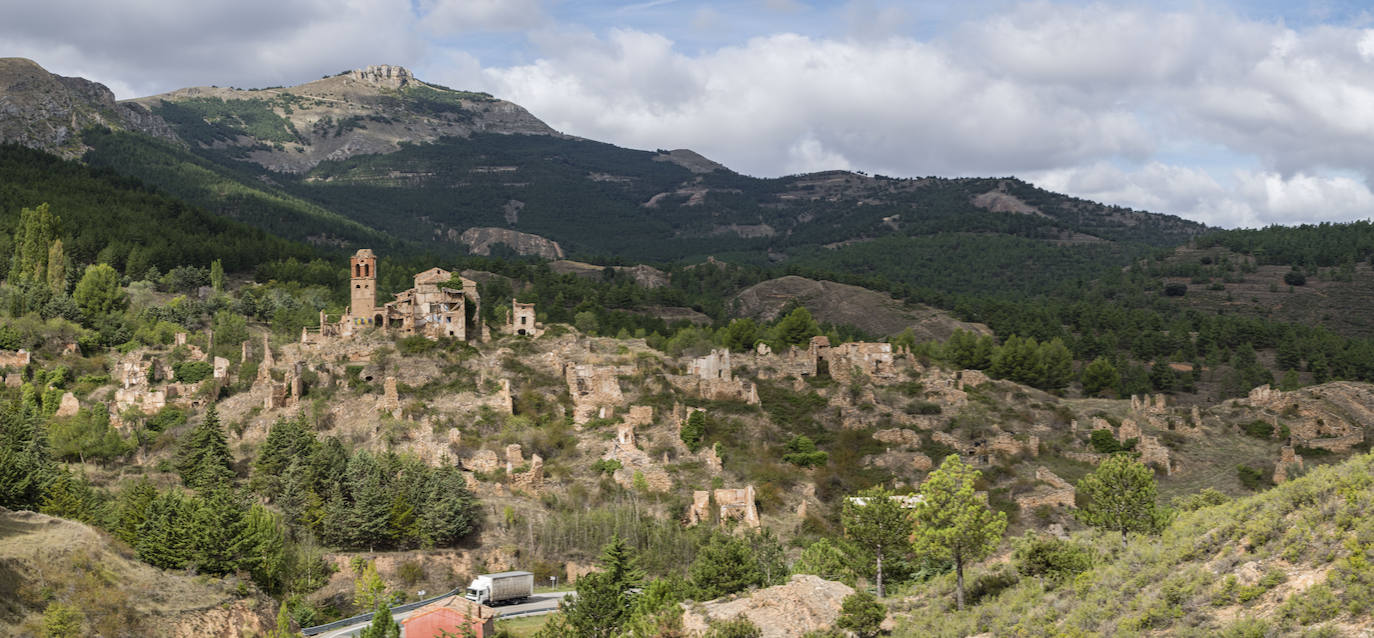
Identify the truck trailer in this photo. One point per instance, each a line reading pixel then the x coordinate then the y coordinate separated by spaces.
pixel 500 589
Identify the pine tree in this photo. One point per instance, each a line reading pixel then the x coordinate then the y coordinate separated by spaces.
pixel 1055 365
pixel 829 560
pixel 98 293
pixel 369 516
pixel 1099 376
pixel 952 522
pixel 1121 497
pixel 862 614
pixel 723 565
pixel 205 461
pixel 876 523
pixel 287 441
pixel 382 625
pixel 604 603
pixel 796 328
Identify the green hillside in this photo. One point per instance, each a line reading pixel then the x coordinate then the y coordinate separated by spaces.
pixel 106 217
pixel 242 192
pixel 1292 561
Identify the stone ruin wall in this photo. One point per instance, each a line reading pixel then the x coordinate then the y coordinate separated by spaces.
pixel 1055 493
pixel 733 505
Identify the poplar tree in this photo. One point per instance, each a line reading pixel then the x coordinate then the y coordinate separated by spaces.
pixel 953 523
pixel 217 275
pixel 57 268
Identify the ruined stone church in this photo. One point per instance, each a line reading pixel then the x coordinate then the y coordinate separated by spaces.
pixel 433 308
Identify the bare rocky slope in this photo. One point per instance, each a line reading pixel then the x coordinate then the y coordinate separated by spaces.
pixel 873 312
pixel 47 560
pixel 481 240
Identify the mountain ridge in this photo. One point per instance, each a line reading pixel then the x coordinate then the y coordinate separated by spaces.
pixel 376 155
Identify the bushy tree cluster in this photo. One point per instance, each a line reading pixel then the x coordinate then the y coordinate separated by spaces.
pixel 361 500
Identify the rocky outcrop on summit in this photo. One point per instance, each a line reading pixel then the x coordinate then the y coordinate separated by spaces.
pixel 41 110
pixel 842 304
pixel 690 160
pixel 479 241
pixel 367 111
pixel 383 75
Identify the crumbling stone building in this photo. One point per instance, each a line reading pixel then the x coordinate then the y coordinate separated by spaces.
pixel 432 308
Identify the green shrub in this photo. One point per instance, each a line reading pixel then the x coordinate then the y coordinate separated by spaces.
pixel 694 430
pixel 862 614
pixel 606 466
pixel 923 407
pixel 416 344
pixel 1258 429
pixel 1317 604
pixel 192 371
pixel 1054 559
pixel 1251 478
pixel 168 418
pixel 1104 443
pixel 802 452
pixel 1205 498
pixel 740 627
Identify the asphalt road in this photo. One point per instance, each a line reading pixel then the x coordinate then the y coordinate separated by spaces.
pixel 537 604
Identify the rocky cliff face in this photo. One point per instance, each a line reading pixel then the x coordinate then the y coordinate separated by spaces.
pixel 42 110
pixel 480 240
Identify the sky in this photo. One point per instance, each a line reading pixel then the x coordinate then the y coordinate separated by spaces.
pixel 1236 114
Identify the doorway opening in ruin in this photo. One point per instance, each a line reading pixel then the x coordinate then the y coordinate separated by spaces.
pixel 376 320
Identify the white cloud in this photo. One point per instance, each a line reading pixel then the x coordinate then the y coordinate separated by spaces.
pixel 1093 99
pixel 893 106
pixel 138 47
pixel 447 17
pixel 1243 198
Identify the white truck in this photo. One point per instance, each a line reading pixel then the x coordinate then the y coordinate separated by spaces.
pixel 502 588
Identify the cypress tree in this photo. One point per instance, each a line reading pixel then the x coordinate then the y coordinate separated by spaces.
pixel 166 538
pixel 449 513
pixel 205 461
pixel 220 531
pixel 131 509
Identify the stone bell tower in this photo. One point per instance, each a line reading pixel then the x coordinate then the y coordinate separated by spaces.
pixel 363 272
